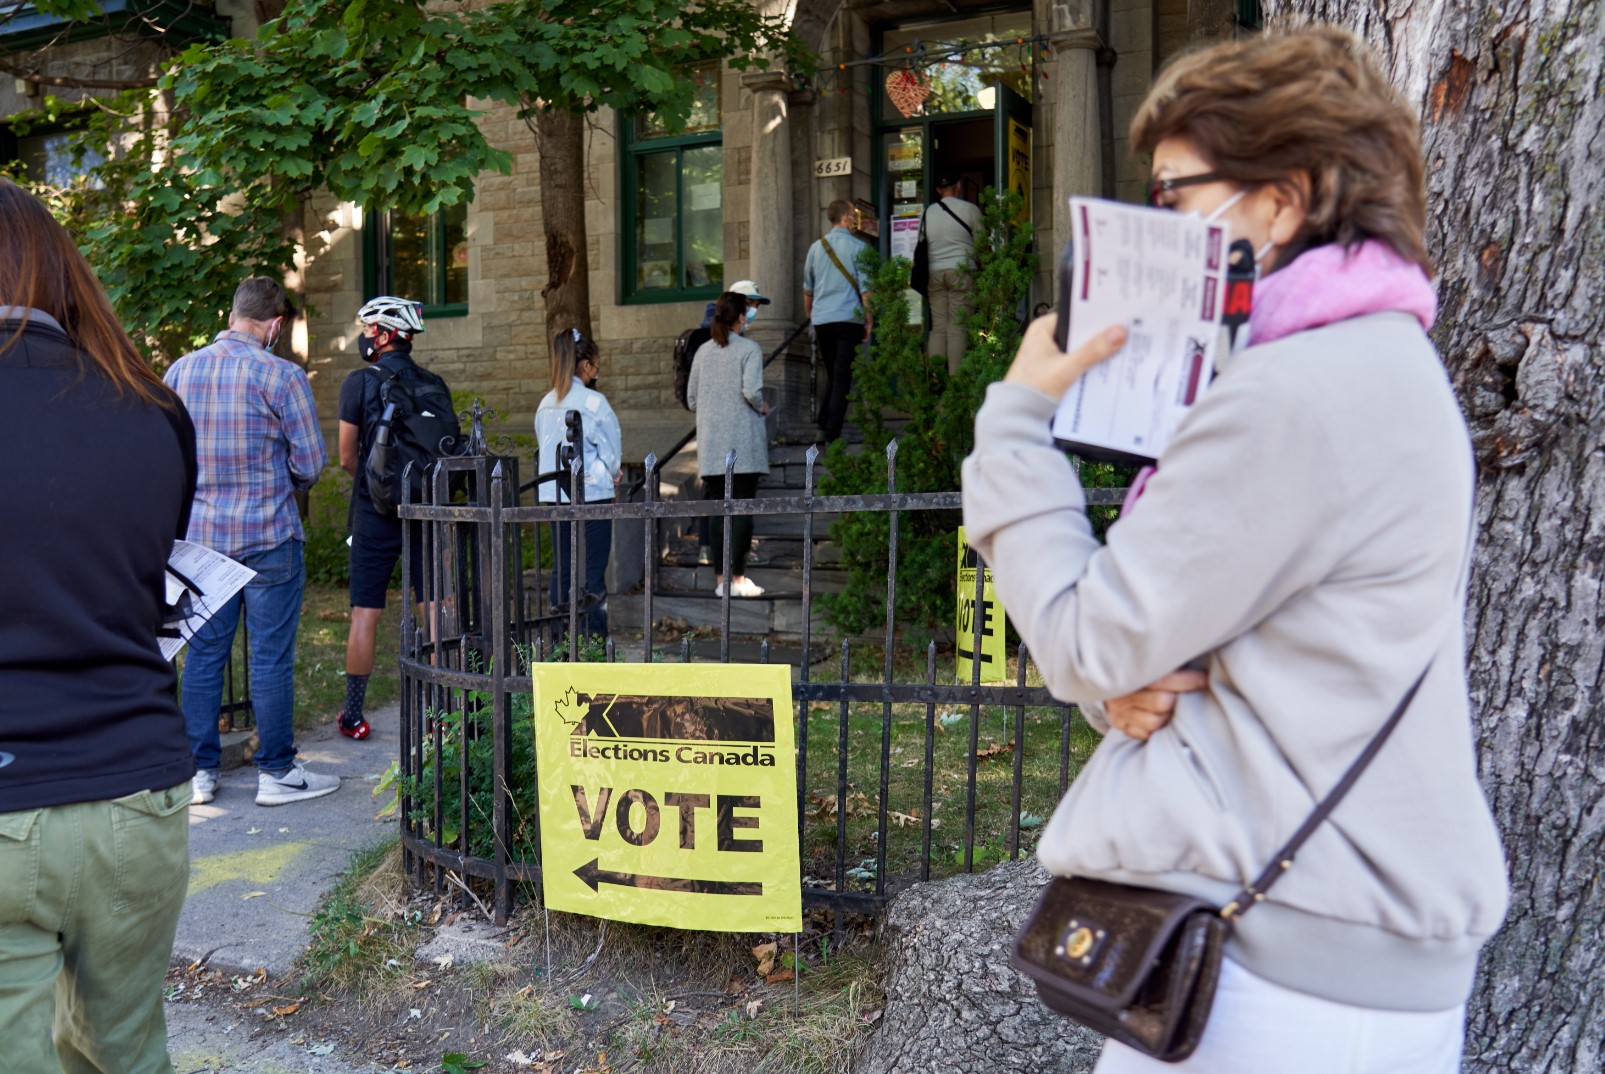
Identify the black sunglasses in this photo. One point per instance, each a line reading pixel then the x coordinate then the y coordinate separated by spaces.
pixel 1160 187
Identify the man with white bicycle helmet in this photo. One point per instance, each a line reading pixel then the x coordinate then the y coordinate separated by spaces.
pixel 388 326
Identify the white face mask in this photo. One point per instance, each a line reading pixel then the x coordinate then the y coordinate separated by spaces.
pixel 1214 216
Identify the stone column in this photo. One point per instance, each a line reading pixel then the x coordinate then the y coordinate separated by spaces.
pixel 770 215
pixel 773 261
pixel 1077 138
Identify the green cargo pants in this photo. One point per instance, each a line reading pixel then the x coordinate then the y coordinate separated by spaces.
pixel 89 901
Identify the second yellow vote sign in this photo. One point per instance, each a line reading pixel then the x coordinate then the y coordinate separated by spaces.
pixel 668 794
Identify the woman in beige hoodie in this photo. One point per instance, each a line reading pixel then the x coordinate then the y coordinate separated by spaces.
pixel 1304 547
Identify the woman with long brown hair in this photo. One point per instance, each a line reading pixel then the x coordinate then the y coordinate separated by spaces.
pixel 1292 579
pixel 94 764
pixel 576 364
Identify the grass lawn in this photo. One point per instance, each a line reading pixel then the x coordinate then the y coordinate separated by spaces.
pixel 320 654
pixel 949 768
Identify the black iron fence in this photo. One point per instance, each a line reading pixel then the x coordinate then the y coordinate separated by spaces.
pixel 903 774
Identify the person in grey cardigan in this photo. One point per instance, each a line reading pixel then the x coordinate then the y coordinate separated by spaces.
pixel 726 391
pixel 1297 562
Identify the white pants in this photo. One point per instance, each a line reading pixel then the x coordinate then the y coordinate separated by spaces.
pixel 1257 1027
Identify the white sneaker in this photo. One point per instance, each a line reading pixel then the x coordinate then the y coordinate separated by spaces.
pixel 295 785
pixel 203 787
pixel 745 587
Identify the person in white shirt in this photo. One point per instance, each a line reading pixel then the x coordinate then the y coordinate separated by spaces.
pixel 575 364
pixel 951 226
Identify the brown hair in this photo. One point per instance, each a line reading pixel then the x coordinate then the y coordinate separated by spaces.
pixel 41 268
pixel 729 310
pixel 262 298
pixel 569 349
pixel 1314 103
pixel 838 210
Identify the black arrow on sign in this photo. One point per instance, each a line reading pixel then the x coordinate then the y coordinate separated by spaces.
pixel 593 876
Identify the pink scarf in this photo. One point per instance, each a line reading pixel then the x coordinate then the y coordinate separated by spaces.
pixel 1330 284
pixel 1323 286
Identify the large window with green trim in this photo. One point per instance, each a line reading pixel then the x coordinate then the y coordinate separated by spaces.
pixel 424 258
pixel 673 203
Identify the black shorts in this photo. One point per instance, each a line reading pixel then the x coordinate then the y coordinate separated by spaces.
pixel 375 551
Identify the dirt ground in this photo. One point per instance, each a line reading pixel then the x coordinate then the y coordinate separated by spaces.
pixel 420 983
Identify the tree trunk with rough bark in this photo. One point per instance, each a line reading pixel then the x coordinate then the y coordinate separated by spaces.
pixel 954 1005
pixel 1512 101
pixel 1211 20
pixel 560 138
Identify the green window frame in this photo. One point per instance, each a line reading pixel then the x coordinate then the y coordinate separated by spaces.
pixel 424 258
pixel 44 152
pixel 671 234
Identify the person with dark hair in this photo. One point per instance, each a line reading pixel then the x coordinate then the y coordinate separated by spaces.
pixel 726 391
pixel 835 289
pixel 575 365
pixel 1293 576
pixel 257 428
pixel 95 767
pixel 386 328
pixel 951 226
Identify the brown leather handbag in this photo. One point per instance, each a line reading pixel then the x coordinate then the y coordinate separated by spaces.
pixel 1138 965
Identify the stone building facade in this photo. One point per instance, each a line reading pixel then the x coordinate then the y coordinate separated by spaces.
pixel 1039 95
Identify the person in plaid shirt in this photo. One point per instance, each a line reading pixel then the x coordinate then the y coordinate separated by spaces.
pixel 258 443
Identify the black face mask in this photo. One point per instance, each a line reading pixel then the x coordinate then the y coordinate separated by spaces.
pixel 591 383
pixel 365 347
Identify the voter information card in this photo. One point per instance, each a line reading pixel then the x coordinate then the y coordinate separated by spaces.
pixel 1163 276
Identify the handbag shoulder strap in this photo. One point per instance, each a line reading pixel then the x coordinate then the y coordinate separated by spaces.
pixel 1283 860
pixel 853 283
pixel 943 203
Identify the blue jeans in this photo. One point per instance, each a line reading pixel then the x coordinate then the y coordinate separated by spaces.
pixel 598 537
pixel 272 603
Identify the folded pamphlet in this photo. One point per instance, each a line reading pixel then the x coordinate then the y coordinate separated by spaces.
pixel 199 582
pixel 1163 276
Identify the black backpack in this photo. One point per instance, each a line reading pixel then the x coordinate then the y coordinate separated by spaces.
pixel 417 425
pixel 685 351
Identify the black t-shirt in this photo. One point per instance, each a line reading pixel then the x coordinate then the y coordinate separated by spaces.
pixel 87 711
pixel 360 406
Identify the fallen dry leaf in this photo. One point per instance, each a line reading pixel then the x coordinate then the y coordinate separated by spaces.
pixel 423 983
pixel 443 961
pixel 253 895
pixel 753 1007
pixel 903 820
pixel 994 751
pixel 780 976
pixel 872 1016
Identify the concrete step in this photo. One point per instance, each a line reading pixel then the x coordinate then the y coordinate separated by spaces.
pixel 779 615
pixel 777 551
pixel 777 579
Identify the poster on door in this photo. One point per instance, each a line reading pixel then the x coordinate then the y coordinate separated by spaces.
pixel 905 236
pixel 668 794
pixel 1019 173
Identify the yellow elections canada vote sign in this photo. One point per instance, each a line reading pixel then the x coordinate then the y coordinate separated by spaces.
pixel 978 626
pixel 668 794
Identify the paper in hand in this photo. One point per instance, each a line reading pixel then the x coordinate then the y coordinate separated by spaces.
pixel 199 582
pixel 1161 275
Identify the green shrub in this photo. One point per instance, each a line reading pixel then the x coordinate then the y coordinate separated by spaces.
pixel 897 375
pixel 328 507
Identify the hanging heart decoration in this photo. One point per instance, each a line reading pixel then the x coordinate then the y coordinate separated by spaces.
pixel 908 90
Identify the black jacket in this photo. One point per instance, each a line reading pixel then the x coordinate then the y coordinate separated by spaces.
pixel 95 490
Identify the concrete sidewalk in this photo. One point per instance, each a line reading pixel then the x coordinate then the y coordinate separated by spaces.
pixel 257 874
